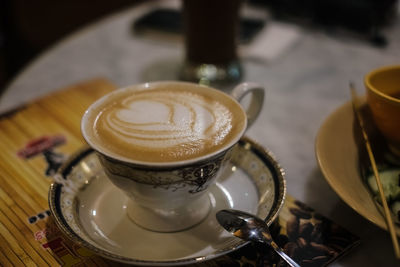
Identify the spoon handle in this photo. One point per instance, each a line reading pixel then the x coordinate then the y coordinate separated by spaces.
pixel 267 238
pixel 284 256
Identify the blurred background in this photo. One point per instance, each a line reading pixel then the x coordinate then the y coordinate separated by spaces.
pixel 27 28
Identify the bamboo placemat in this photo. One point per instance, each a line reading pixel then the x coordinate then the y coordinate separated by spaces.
pixel 38 137
pixel 25 228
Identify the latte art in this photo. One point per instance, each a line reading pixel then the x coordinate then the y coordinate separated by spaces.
pixel 167 124
pixel 168 120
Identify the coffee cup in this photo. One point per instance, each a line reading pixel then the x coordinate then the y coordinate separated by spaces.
pixel 383 98
pixel 164 143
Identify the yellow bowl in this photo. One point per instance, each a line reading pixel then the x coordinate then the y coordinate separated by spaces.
pixel 383 98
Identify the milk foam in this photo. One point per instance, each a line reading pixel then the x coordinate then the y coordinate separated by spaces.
pixel 164 124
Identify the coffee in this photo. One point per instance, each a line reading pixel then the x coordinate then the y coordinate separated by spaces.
pixel 171 122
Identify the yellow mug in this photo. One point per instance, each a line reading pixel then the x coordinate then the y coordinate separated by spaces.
pixel 383 98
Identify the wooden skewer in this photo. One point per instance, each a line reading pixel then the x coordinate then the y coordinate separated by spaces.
pixel 388 217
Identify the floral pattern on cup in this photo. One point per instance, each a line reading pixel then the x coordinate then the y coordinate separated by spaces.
pixel 195 178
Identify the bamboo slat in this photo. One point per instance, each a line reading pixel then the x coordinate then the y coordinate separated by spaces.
pixel 10 241
pixel 19 218
pixel 8 251
pixel 19 232
pixel 20 191
pixel 4 260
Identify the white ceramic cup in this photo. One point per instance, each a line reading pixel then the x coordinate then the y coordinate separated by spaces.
pixel 172 196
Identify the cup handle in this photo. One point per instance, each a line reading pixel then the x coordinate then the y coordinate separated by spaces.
pixel 256 102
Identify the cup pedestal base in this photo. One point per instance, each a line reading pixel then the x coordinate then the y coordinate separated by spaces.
pixel 167 218
pixel 212 74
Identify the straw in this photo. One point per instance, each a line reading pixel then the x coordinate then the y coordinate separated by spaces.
pixel 388 217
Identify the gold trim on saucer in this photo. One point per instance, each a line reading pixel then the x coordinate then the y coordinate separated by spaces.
pixel 259 164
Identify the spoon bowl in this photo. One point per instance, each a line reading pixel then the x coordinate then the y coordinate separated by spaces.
pixel 250 228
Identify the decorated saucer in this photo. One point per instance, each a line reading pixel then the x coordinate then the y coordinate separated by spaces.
pixel 338 158
pixel 91 211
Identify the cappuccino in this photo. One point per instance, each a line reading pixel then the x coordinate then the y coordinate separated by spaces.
pixel 164 123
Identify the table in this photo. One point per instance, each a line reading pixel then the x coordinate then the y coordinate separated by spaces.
pixel 305 84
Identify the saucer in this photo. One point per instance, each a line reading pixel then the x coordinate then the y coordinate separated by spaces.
pixel 91 211
pixel 337 156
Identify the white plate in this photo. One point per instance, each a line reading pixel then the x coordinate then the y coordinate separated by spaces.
pixel 91 211
pixel 337 157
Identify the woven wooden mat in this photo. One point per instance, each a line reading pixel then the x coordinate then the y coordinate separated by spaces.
pixel 36 139
pixel 27 236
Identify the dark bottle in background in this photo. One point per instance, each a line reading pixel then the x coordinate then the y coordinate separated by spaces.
pixel 211 37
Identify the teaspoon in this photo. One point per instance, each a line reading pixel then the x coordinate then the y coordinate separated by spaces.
pixel 250 228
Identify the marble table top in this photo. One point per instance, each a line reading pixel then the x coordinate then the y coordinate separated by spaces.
pixel 305 82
